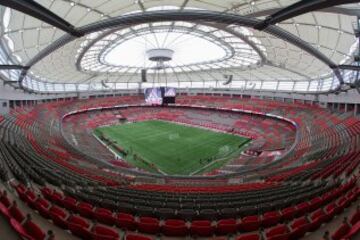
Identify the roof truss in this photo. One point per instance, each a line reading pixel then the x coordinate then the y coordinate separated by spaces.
pixel 349 67
pixel 10 67
pixel 36 10
pixel 299 8
pixel 187 15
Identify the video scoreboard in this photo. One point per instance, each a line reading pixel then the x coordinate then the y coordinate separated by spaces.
pixel 160 95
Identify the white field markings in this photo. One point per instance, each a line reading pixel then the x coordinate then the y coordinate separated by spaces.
pixel 190 149
pixel 74 139
pixel 202 127
pixel 174 136
pixel 152 164
pixel 118 156
pixel 177 151
pixel 147 136
pixel 193 147
pixel 214 161
pixel 243 147
pixel 221 159
pixel 217 160
pixel 201 144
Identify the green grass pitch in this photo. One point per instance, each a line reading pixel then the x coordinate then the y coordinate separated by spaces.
pixel 171 148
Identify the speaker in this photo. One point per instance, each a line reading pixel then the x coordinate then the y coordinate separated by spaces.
pixel 143 75
pixel 229 79
pixel 104 84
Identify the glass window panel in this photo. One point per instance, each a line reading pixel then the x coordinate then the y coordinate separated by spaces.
pixel 133 85
pixel 210 84
pixel 269 85
pixel 70 87
pixel 121 85
pixel 238 84
pixel 83 87
pixel 285 86
pixel 301 86
pixel 314 86
pixel 184 84
pixel 253 85
pixel 197 84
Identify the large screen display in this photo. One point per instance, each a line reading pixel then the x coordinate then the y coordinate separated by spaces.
pixel 170 92
pixel 153 96
pixel 160 95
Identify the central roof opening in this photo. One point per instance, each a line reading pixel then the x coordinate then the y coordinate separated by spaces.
pixel 196 48
pixel 187 49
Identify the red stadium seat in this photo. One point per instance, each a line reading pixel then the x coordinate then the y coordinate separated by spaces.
pixel 270 219
pixel 226 226
pixel 105 216
pixel 315 203
pixel 253 236
pixel 299 227
pixel 4 199
pixel 42 206
pixel 126 221
pixel 16 213
pixel 202 228
pixel 343 202
pixel 332 209
pixel 302 208
pixel 70 203
pixel 5 212
pixel 137 237
pixel 354 232
pixel 58 216
pixel 249 223
pixel 30 198
pixel 20 230
pixel 280 232
pixel 341 232
pixel 316 219
pixel 46 192
pixel 85 210
pixel 79 221
pixel 288 213
pixel 57 198
pixel 34 230
pixel 174 227
pixel 101 232
pixel 79 227
pixel 149 225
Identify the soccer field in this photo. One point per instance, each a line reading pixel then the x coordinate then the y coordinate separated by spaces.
pixel 170 148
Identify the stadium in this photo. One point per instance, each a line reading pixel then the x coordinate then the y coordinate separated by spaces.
pixel 179 119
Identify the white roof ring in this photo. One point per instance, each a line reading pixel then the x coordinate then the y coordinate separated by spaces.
pixel 193 47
